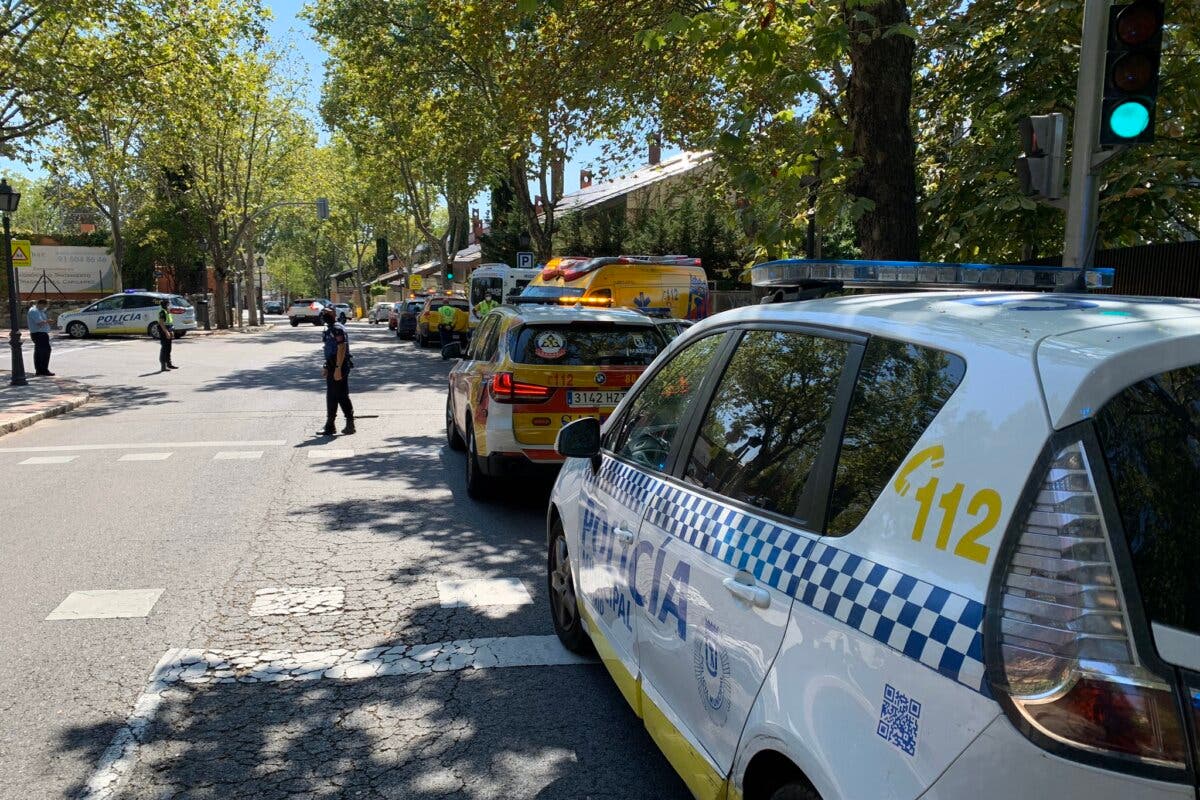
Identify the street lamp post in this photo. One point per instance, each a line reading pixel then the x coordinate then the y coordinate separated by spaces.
pixel 9 200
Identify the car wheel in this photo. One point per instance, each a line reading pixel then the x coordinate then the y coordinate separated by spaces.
pixel 77 330
pixel 477 483
pixel 180 334
pixel 418 339
pixel 453 438
pixel 794 791
pixel 294 321
pixel 564 604
pixel 152 330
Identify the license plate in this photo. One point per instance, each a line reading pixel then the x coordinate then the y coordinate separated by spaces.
pixel 593 399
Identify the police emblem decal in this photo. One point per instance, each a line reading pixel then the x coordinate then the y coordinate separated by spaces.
pixel 711 669
pixel 601 378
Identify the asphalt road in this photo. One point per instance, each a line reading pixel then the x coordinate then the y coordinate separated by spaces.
pixel 296 635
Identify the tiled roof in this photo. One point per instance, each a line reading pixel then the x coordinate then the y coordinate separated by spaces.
pixel 600 193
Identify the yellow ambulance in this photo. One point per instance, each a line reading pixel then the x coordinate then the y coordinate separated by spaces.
pixel 671 286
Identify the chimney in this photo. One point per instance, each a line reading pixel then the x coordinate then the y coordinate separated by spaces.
pixel 655 149
pixel 476 226
pixel 585 178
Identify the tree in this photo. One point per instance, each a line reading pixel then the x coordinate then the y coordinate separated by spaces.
pixel 984 67
pixel 239 138
pixel 42 211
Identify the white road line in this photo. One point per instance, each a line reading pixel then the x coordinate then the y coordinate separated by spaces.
pixel 237 455
pixel 107 604
pixel 143 446
pixel 314 455
pixel 298 601
pixel 50 460
pixel 483 592
pixel 144 457
pixel 122 751
pixel 253 666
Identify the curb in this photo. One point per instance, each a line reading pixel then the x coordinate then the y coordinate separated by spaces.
pixel 54 407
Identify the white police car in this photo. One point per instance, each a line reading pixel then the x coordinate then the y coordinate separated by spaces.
pixel 908 546
pixel 133 311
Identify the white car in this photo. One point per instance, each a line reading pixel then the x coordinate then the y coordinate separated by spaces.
pixel 934 546
pixel 379 313
pixel 344 311
pixel 131 312
pixel 307 310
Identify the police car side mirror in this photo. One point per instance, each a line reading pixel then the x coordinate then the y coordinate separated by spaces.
pixel 579 439
pixel 452 350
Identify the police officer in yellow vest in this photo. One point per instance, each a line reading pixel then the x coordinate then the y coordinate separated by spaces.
pixel 166 333
pixel 485 305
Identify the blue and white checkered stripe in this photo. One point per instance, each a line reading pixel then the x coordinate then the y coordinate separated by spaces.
pixel 629 486
pixel 941 629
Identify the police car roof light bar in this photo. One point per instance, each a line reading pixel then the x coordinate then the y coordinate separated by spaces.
pixel 793 273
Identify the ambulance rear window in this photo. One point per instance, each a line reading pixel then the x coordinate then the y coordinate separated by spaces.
pixel 1150 433
pixel 588 344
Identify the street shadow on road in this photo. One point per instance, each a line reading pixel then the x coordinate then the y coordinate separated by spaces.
pixel 105 400
pixel 540 732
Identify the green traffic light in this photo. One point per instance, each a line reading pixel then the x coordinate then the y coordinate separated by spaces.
pixel 1129 119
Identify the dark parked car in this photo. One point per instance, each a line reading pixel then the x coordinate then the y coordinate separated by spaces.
pixel 273 307
pixel 406 323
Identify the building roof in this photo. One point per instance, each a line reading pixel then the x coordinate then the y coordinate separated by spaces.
pixel 472 252
pixel 602 193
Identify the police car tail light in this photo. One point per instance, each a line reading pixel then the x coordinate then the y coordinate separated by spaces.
pixel 1068 659
pixel 507 389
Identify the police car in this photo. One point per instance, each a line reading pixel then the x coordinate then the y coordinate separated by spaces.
pixel 930 546
pixel 133 311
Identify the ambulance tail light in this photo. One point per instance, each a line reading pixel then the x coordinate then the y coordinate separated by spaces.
pixel 507 389
pixel 1059 639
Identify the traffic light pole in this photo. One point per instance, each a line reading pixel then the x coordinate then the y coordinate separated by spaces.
pixel 1084 197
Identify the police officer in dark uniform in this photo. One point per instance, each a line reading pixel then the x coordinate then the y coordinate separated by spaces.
pixel 337 373
pixel 166 333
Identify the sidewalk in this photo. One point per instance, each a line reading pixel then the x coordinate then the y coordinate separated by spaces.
pixel 244 329
pixel 21 406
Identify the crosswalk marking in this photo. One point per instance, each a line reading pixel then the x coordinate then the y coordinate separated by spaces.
pixel 323 454
pixel 237 455
pixel 144 457
pixel 143 446
pixel 483 592
pixel 50 460
pixel 298 601
pixel 107 604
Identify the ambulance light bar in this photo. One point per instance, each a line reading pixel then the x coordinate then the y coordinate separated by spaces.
pixel 799 272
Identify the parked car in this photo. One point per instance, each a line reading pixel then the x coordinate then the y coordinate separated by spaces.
pixel 273 307
pixel 307 310
pixel 428 318
pixel 379 313
pixel 406 317
pixel 532 369
pixel 344 311
pixel 132 311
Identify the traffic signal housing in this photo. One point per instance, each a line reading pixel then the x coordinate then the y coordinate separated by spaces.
pixel 1040 169
pixel 322 208
pixel 1131 73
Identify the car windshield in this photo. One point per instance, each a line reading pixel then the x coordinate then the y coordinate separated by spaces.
pixel 588 344
pixel 482 287
pixel 551 291
pixel 1150 433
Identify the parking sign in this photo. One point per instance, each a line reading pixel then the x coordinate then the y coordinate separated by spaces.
pixel 524 260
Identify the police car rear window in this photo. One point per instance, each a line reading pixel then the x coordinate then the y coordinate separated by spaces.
pixel 587 344
pixel 900 389
pixel 1150 433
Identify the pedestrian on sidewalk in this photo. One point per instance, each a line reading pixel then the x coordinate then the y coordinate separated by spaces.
pixel 39 331
pixel 336 373
pixel 166 333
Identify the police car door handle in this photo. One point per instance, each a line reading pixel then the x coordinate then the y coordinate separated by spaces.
pixel 623 535
pixel 754 595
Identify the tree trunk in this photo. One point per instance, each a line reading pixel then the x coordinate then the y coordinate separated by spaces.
pixel 251 302
pixel 541 233
pixel 878 103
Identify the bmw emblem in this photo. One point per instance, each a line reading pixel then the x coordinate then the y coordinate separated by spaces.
pixel 600 378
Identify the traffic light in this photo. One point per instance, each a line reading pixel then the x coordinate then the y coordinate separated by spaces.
pixel 449 274
pixel 1044 141
pixel 322 208
pixel 1131 73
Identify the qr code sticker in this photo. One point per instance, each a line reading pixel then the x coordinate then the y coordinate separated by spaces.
pixel 899 719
